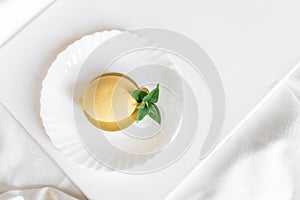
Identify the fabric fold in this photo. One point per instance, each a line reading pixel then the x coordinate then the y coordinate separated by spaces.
pixel 260 161
pixel 24 164
pixel 46 193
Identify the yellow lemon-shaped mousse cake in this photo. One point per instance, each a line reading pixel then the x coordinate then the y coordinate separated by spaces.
pixel 107 102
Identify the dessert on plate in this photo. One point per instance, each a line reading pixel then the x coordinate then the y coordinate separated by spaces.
pixel 113 101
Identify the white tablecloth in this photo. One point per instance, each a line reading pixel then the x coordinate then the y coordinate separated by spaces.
pixel 24 165
pixel 260 161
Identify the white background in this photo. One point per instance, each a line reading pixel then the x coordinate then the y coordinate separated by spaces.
pixel 15 14
pixel 252 43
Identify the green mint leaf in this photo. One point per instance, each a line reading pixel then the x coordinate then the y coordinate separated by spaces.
pixel 141 106
pixel 154 113
pixel 138 95
pixel 153 95
pixel 147 104
pixel 142 113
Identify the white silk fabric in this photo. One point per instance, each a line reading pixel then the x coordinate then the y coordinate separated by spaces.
pixel 261 159
pixel 24 165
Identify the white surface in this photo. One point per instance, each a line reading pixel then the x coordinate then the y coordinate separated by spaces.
pixel 15 14
pixel 262 158
pixel 252 43
pixel 24 164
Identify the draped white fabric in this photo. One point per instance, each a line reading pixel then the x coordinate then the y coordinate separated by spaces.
pixel 38 193
pixel 24 165
pixel 260 161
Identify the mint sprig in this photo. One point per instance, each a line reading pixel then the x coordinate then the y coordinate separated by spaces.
pixel 138 95
pixel 147 106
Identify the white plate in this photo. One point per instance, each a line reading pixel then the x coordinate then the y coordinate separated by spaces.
pixel 141 148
